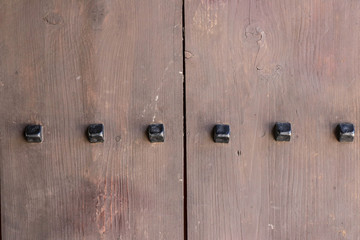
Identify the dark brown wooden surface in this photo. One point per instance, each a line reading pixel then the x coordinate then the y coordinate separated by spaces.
pixel 66 64
pixel 250 64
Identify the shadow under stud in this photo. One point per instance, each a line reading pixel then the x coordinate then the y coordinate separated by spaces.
pixel 156 133
pixel 33 133
pixel 345 132
pixel 95 133
pixel 282 131
pixel 221 133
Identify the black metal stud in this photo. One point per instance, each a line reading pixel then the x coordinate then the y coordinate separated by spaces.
pixel 95 133
pixel 221 133
pixel 345 132
pixel 156 132
pixel 33 133
pixel 282 131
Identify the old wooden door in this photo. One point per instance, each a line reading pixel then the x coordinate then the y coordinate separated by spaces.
pixel 67 64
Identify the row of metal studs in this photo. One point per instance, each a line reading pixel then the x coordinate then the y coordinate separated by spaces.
pixel 345 132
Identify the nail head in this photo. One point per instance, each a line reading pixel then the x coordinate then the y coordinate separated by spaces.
pixel 345 132
pixel 282 131
pixel 33 133
pixel 156 132
pixel 221 133
pixel 95 133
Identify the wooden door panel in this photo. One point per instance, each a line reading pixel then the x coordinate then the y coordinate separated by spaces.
pixel 251 64
pixel 67 64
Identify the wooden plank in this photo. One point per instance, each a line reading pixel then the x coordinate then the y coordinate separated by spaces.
pixel 67 64
pixel 250 64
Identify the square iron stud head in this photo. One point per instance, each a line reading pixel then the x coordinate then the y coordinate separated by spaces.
pixel 221 133
pixel 282 131
pixel 33 133
pixel 345 132
pixel 156 132
pixel 95 133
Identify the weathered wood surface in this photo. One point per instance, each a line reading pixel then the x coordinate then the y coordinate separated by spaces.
pixel 250 64
pixel 66 64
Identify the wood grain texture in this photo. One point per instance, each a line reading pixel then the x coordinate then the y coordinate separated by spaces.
pixel 67 64
pixel 250 64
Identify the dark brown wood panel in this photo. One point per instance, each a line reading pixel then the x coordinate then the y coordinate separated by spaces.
pixel 250 64
pixel 67 64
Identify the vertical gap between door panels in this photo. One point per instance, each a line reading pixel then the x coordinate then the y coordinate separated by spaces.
pixel 184 124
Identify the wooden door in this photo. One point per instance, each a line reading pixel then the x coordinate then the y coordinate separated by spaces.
pixel 253 63
pixel 67 64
